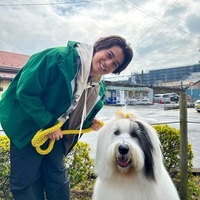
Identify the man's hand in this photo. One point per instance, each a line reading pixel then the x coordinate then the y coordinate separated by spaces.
pixel 96 125
pixel 57 135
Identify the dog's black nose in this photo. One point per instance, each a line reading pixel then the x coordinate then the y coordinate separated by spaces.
pixel 123 149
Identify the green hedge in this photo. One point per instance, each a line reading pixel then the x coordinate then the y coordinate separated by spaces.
pixel 79 167
pixel 4 168
pixel 170 140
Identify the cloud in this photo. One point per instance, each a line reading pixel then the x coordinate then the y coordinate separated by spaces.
pixel 163 33
pixel 193 23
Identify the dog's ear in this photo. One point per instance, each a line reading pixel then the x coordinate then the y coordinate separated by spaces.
pixel 147 147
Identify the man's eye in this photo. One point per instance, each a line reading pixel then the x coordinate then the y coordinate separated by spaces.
pixel 109 55
pixel 115 65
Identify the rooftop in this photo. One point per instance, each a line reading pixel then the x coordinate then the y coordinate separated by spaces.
pixel 13 60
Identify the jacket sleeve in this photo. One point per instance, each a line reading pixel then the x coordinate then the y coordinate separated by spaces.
pixel 32 83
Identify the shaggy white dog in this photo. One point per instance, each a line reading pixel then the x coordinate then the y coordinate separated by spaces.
pixel 129 163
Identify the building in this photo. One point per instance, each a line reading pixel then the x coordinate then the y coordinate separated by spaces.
pixel 167 75
pixel 10 64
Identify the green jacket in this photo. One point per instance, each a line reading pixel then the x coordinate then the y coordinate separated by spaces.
pixel 39 93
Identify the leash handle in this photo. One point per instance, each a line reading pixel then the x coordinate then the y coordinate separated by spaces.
pixel 41 137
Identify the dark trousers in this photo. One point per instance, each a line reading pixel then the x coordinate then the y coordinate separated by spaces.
pixel 34 176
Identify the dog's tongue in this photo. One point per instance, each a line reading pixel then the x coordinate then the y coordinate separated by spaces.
pixel 123 163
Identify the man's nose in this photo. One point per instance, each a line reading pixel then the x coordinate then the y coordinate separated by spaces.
pixel 109 63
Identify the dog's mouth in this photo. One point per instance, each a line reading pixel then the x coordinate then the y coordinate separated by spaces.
pixel 123 162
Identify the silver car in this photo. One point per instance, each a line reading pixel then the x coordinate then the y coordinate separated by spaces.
pixel 157 98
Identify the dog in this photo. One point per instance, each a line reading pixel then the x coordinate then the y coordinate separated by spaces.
pixel 129 162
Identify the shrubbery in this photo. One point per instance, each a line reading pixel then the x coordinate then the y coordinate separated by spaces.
pixel 4 168
pixel 170 140
pixel 81 172
pixel 79 167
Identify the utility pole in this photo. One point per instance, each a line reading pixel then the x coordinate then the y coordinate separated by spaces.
pixel 183 147
pixel 199 59
pixel 142 77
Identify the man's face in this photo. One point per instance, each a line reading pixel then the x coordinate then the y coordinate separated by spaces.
pixel 106 61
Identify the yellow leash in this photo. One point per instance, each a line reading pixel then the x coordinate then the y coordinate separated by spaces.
pixel 41 137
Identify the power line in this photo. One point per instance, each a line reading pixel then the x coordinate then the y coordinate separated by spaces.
pixel 155 23
pixel 47 4
pixel 43 4
pixel 196 36
pixel 14 46
pixel 178 21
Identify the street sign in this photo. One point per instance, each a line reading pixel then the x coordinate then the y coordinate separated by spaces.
pixel 191 83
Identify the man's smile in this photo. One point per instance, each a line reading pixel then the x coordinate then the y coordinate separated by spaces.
pixel 102 67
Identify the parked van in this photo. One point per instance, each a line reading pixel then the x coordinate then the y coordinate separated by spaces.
pixel 170 97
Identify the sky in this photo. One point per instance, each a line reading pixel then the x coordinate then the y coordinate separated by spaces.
pixel 162 33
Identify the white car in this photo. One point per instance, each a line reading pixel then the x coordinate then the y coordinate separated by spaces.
pixel 145 101
pixel 197 105
pixel 170 97
pixel 157 98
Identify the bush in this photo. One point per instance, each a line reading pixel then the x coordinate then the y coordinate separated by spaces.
pixel 170 140
pixel 78 162
pixel 4 168
pixel 80 166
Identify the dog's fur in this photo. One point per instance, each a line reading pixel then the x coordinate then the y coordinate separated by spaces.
pixel 129 163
